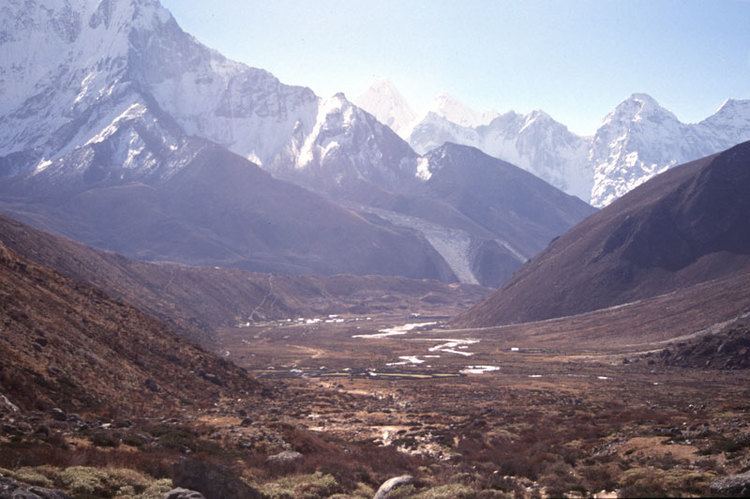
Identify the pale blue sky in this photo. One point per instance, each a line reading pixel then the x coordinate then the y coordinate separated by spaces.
pixel 574 59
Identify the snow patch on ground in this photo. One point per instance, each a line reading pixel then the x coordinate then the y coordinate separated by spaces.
pixel 395 331
pixel 451 345
pixel 7 403
pixel 423 169
pixel 479 369
pixel 407 359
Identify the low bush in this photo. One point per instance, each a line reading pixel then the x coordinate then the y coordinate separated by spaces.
pixel 449 491
pixel 310 486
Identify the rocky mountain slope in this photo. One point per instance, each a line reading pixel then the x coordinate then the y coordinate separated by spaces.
pixel 686 226
pixel 111 161
pixel 201 204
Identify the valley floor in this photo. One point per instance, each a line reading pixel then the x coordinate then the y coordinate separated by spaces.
pixel 480 405
pixel 468 413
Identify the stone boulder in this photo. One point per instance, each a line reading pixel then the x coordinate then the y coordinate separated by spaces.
pixel 285 457
pixel 212 480
pixel 392 484
pixel 732 486
pixel 12 489
pixel 180 493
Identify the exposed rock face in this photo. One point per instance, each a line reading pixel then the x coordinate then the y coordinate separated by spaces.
pixel 212 480
pixel 732 486
pixel 349 151
pixel 391 485
pixel 12 489
pixel 727 349
pixel 180 493
pixel 285 457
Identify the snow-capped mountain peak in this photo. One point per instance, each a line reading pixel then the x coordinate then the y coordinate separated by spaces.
pixel 640 139
pixel 639 107
pixel 733 113
pixel 348 148
pixel 385 102
pixel 452 109
pixel 79 59
pixel 336 116
pixel 534 142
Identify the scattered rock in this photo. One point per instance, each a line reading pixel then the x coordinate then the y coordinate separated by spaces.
pixel 12 489
pixel 732 486
pixel 180 493
pixel 42 430
pixel 58 414
pixel 212 480
pixel 392 484
pixel 211 378
pixel 285 457
pixel 246 422
pixel 151 385
pixel 7 404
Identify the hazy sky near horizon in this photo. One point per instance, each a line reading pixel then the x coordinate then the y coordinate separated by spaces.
pixel 574 59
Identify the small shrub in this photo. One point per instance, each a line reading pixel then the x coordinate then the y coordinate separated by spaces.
pixel 449 491
pixel 598 477
pixel 28 475
pixel 653 482
pixel 302 486
pixel 104 482
pixel 558 478
pixel 103 438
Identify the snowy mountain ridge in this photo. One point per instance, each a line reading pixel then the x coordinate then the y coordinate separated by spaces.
pixel 640 139
pixel 534 142
pixel 89 55
pixel 637 140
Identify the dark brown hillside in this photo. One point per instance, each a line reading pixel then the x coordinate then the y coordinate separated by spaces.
pixel 67 344
pixel 686 226
pixel 195 300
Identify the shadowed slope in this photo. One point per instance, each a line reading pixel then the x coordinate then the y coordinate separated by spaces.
pixel 686 226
